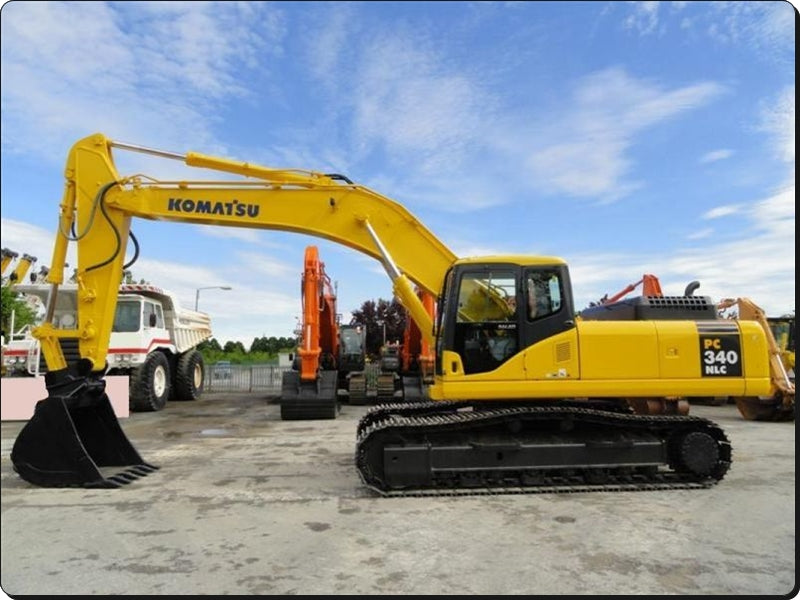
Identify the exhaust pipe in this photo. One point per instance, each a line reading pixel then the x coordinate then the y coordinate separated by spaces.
pixel 72 434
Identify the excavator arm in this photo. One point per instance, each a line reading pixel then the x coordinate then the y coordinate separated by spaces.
pixel 99 204
pixel 320 331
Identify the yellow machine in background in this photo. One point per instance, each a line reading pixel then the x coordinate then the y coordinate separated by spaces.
pixel 24 265
pixel 524 395
pixel 8 257
pixel 778 406
pixel 783 329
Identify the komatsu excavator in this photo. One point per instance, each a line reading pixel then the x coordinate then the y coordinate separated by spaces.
pixel 310 392
pixel 525 396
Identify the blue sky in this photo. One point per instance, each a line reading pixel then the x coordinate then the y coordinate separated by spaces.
pixel 625 137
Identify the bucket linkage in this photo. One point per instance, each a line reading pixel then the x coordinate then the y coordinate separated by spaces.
pixel 72 433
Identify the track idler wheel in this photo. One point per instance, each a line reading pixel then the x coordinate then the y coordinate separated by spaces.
pixel 72 433
pixel 699 453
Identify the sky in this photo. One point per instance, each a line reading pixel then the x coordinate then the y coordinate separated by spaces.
pixel 624 137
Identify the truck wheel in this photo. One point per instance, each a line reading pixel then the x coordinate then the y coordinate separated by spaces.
pixel 150 384
pixel 189 376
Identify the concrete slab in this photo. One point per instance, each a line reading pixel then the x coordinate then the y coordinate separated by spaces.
pixel 245 503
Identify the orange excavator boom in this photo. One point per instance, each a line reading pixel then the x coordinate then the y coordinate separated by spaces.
pixel 651 286
pixel 320 337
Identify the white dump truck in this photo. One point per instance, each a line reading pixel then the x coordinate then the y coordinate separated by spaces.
pixel 154 341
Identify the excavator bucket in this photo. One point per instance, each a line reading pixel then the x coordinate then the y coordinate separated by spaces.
pixel 72 434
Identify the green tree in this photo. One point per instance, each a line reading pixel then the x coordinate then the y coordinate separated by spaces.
pixel 12 302
pixel 377 315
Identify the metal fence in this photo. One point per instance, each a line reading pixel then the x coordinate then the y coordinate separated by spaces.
pixel 244 378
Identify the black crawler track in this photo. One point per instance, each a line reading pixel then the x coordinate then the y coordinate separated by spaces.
pixel 434 448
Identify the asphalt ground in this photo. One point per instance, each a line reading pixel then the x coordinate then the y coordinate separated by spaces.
pixel 245 503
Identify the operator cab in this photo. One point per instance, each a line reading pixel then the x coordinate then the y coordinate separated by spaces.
pixel 489 311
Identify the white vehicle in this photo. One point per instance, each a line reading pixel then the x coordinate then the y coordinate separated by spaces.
pixel 154 341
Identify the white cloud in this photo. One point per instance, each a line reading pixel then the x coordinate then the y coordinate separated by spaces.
pixel 701 234
pixel 644 18
pixel 716 155
pixel 767 29
pixel 410 103
pixel 24 238
pixel 597 128
pixel 166 73
pixel 721 211
pixel 778 120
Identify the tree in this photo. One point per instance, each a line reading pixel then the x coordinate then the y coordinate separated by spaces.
pixel 377 315
pixel 234 347
pixel 12 302
pixel 210 344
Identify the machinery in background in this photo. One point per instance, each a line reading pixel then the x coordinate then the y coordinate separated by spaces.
pixel 21 269
pixel 353 362
pixel 780 404
pixel 8 257
pixel 310 390
pixel 153 341
pixel 416 354
pixel 783 330
pixel 651 286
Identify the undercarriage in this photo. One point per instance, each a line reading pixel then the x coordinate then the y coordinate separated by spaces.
pixel 436 448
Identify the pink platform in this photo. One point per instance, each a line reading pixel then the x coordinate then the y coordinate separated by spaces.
pixel 19 395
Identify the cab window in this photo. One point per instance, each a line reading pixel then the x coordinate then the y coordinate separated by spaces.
pixel 486 332
pixel 152 316
pixel 126 318
pixel 542 293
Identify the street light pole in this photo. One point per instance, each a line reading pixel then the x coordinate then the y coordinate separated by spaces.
pixel 211 287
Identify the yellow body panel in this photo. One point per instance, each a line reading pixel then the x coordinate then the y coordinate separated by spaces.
pixel 612 359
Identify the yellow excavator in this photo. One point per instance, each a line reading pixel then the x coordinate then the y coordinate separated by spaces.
pixel 779 406
pixel 24 265
pixel 8 257
pixel 525 397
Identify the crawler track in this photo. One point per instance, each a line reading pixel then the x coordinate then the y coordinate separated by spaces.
pixel 433 448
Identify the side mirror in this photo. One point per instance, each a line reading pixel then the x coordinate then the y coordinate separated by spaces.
pixel 152 319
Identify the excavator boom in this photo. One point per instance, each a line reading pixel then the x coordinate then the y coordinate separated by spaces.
pixel 310 392
pixel 101 204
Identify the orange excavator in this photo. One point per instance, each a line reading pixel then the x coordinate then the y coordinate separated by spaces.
pixel 310 390
pixel 416 354
pixel 651 286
